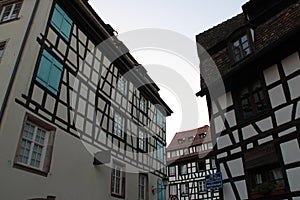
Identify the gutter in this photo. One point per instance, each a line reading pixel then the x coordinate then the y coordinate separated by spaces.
pixel 17 64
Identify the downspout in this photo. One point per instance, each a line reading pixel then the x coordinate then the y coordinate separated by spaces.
pixel 16 67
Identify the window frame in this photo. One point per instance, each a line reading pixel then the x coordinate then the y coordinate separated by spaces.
pixel 143 186
pixel 173 172
pixel 238 99
pixel 142 141
pixel 181 169
pixel 184 192
pixel 121 85
pixel 119 126
pixel 46 158
pixel 121 179
pixel 201 164
pixel 201 186
pixel 171 189
pixel 2 49
pixel 143 106
pixel 13 3
pixel 238 37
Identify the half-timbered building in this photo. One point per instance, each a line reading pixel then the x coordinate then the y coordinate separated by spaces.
pixel 255 122
pixel 80 118
pixel 189 161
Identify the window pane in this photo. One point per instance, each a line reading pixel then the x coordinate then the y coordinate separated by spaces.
pixel 61 22
pixel 7 10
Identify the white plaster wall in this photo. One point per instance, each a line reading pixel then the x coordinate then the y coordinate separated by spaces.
pixel 236 167
pixel 228 192
pixel 293 178
pixel 290 151
pixel 291 64
pixel 271 75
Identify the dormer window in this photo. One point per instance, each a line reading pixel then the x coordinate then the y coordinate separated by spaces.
pixel 202 135
pixel 180 141
pixel 241 47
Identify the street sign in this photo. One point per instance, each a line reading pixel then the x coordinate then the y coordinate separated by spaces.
pixel 214 181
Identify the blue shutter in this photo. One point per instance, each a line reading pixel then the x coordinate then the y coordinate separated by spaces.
pixel 54 76
pixel 161 190
pixel 61 22
pixel 44 68
pixel 160 151
pixel 49 72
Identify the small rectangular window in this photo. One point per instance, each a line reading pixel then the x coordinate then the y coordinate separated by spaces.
pixel 121 84
pixel 10 11
pixel 118 180
pixel 173 189
pixel 61 22
pixel 143 186
pixel 201 187
pixel 2 47
pixel 183 169
pixel 172 171
pixel 252 99
pixel 119 125
pixel 241 47
pixel 35 146
pixel 184 189
pixel 143 104
pixel 142 141
pixel 49 72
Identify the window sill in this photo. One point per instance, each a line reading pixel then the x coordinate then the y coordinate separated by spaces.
pixel 118 196
pixel 30 169
pixel 10 20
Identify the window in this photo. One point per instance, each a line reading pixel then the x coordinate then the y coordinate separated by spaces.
pixel 201 166
pixel 241 48
pixel 202 135
pixel 213 163
pixel 183 169
pixel 118 180
pixel 266 178
pixel 172 171
pixel 10 11
pixel 121 84
pixel 180 140
pixel 252 99
pixel 49 72
pixel 159 118
pixel 143 185
pixel 119 125
pixel 160 190
pixel 35 147
pixel 160 151
pixel 209 146
pixel 173 189
pixel 61 22
pixel 2 47
pixel 142 141
pixel 186 151
pixel 143 104
pixel 184 189
pixel 191 138
pixel 201 186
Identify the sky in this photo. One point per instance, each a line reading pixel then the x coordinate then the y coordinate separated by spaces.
pixel 175 73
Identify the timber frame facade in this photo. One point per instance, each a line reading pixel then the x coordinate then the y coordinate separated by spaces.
pixel 67 99
pixel 256 124
pixel 189 161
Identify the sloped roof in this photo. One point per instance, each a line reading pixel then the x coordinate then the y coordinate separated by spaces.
pixel 218 33
pixel 185 135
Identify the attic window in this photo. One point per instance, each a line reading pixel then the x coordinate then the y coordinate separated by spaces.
pixel 191 138
pixel 241 47
pixel 180 141
pixel 202 135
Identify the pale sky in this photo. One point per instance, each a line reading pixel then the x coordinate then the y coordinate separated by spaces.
pixel 186 17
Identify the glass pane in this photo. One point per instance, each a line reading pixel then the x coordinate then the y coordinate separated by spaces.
pixel 6 13
pixel 244 38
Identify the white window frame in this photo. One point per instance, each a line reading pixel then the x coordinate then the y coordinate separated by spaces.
pixel 201 186
pixel 32 143
pixel 143 185
pixel 119 125
pixel 143 104
pixel 121 84
pixel 184 189
pixel 117 176
pixel 172 170
pixel 142 140
pixel 173 189
pixel 10 16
